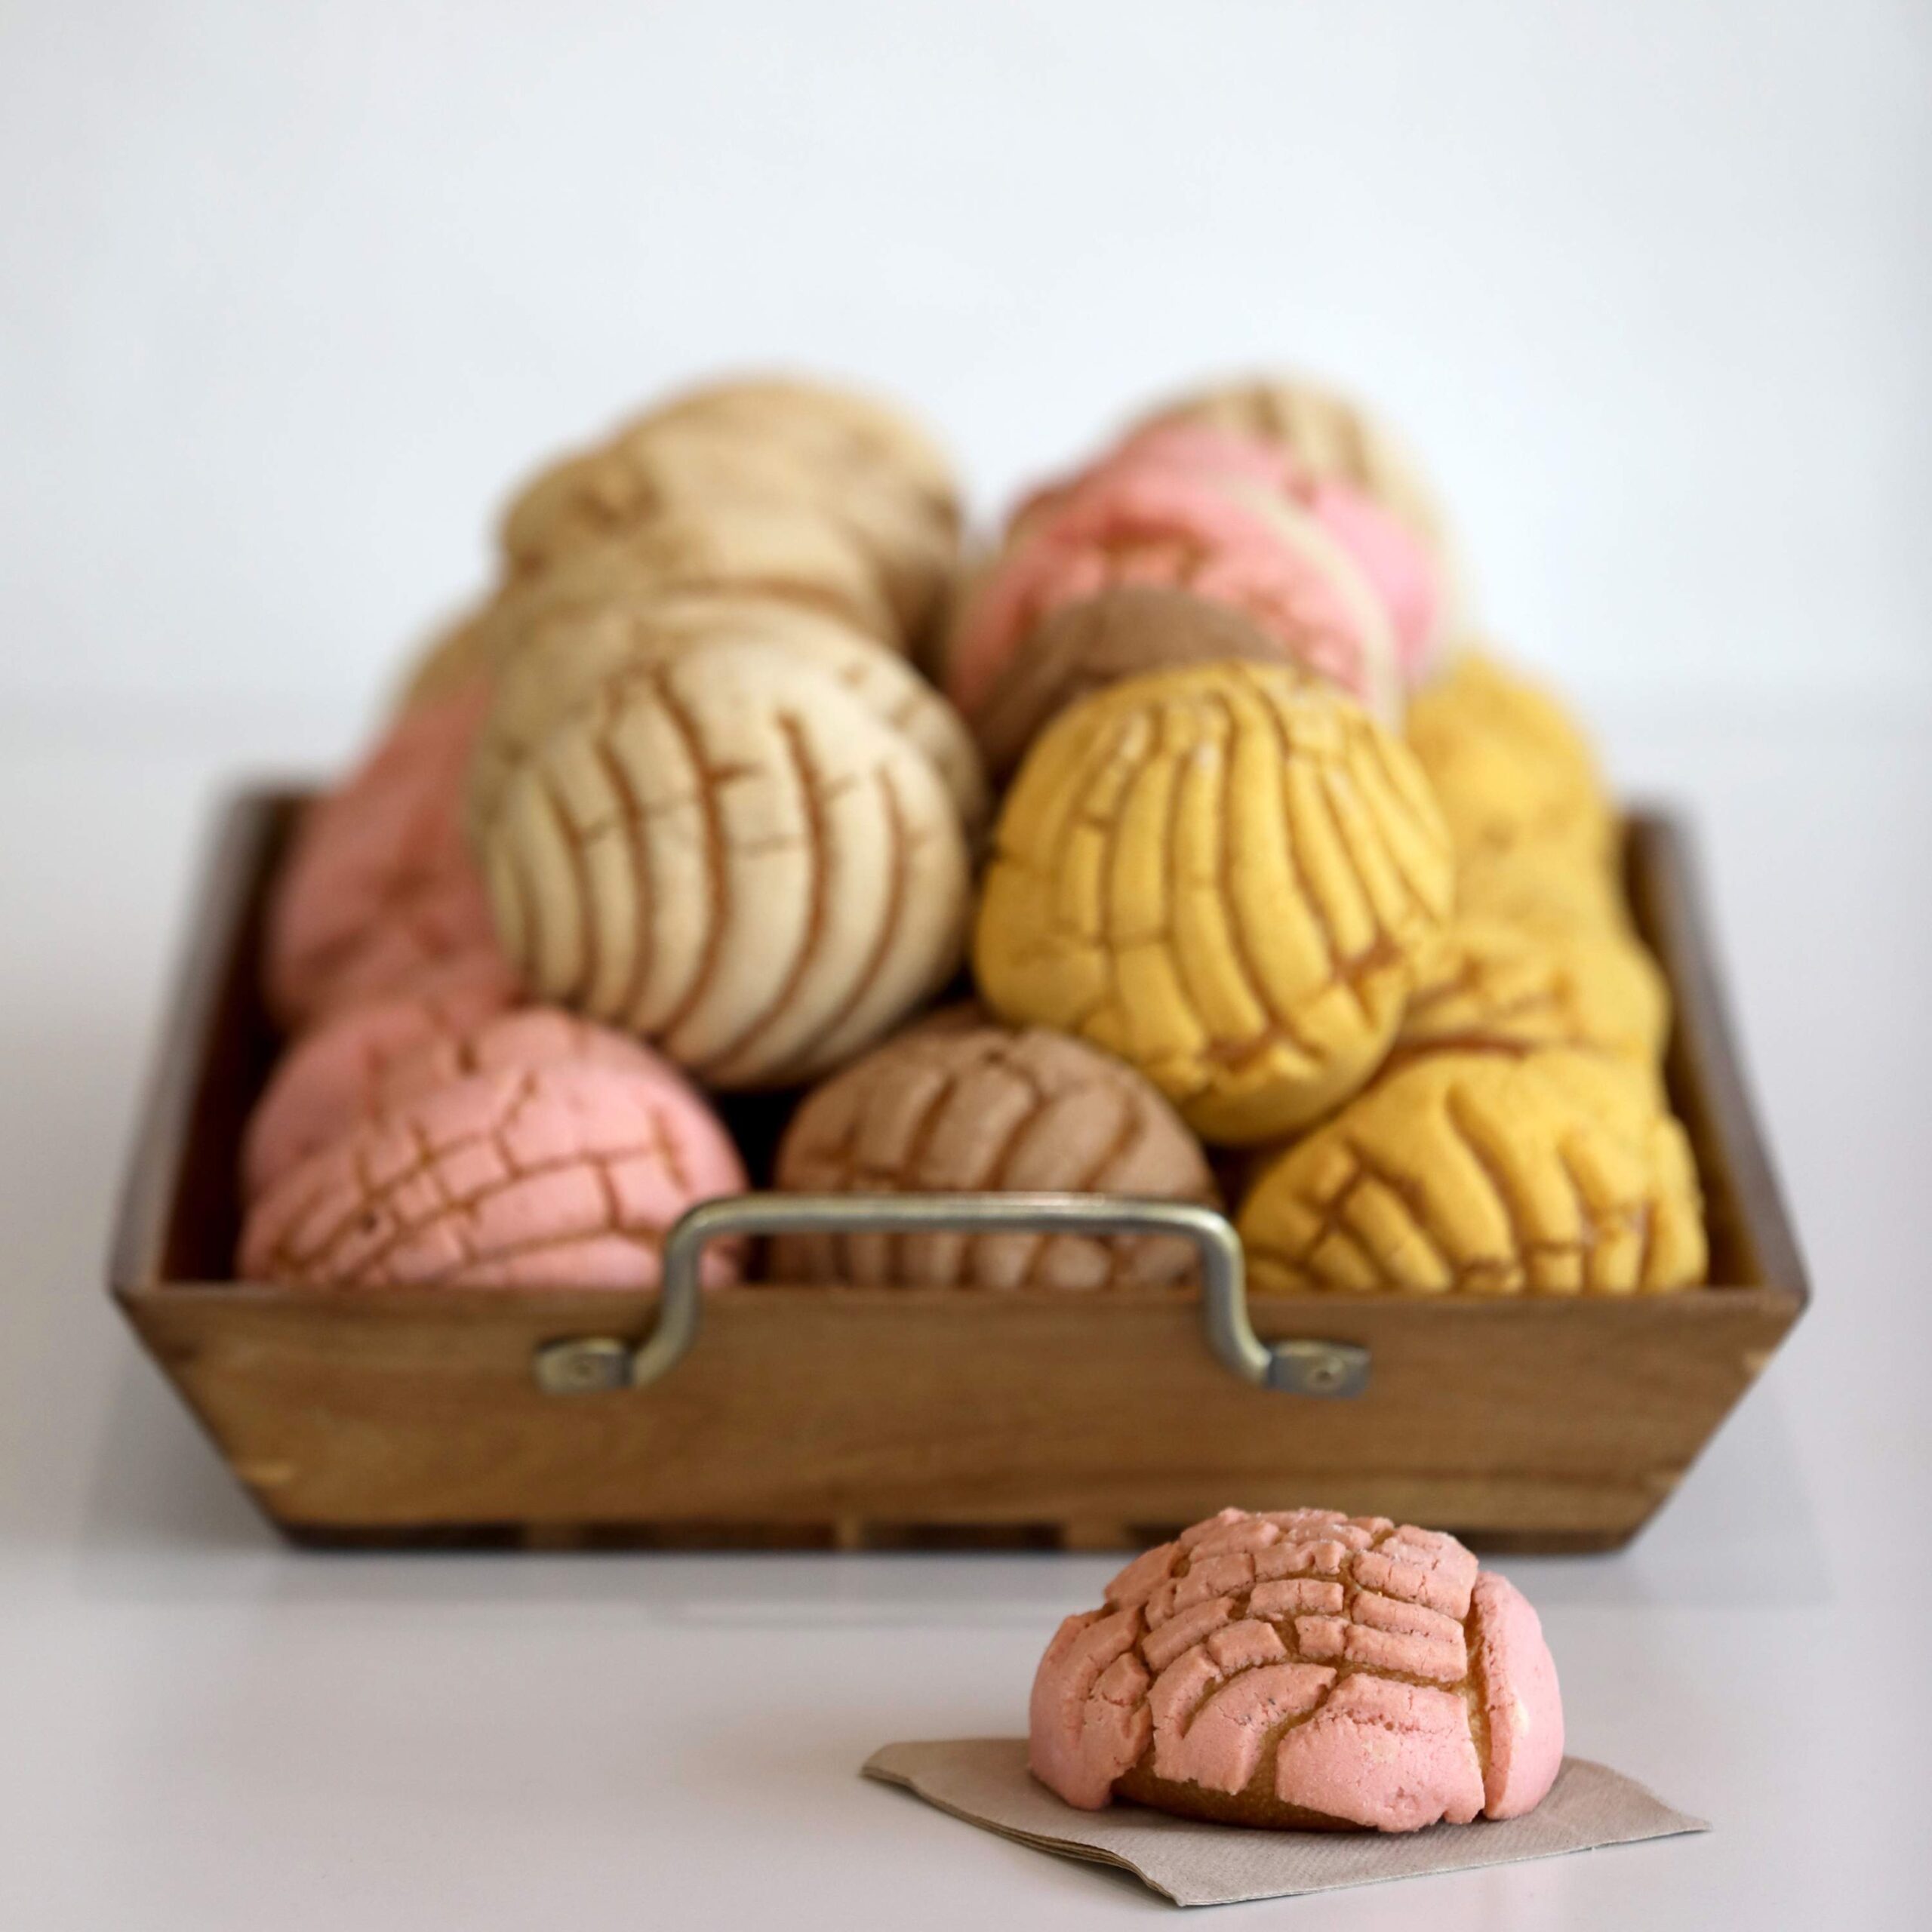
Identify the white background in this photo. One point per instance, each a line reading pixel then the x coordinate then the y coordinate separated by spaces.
pixel 289 295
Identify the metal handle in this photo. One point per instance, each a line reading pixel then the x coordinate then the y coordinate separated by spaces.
pixel 586 1365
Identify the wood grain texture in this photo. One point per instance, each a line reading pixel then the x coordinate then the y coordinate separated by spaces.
pixel 843 1418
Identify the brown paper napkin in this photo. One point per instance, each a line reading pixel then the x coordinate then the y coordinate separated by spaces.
pixel 984 1781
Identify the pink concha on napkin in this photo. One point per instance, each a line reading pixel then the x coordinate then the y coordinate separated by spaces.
pixel 1303 1669
pixel 562 1172
pixel 380 883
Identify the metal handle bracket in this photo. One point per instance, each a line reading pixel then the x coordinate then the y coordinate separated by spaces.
pixel 587 1364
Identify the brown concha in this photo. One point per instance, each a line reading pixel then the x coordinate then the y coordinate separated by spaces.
pixel 1084 648
pixel 964 1109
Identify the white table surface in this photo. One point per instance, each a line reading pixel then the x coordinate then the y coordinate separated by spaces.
pixel 199 1728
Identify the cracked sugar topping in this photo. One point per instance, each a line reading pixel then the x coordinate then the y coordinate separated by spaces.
pixel 1225 876
pixel 1302 1667
pixel 564 1172
pixel 737 860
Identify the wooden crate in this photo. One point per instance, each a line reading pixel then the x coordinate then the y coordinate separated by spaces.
pixel 845 1417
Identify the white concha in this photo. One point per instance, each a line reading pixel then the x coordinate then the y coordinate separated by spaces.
pixel 727 853
pixel 565 648
pixel 761 457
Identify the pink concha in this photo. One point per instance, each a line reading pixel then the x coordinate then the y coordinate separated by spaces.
pixel 1140 524
pixel 434 924
pixel 1302 1668
pixel 1406 579
pixel 1188 449
pixel 372 1060
pixel 565 1174
pixel 379 882
pixel 1083 1738
pixel 1237 543
pixel 533 1036
pixel 1523 1706
pixel 337 1073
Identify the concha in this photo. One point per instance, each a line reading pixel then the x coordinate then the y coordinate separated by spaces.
pixel 564 649
pixel 1509 766
pixel 336 1072
pixel 565 1174
pixel 971 1107
pixel 1491 983
pixel 731 855
pixel 373 1059
pixel 704 468
pixel 1557 1172
pixel 842 431
pixel 379 885
pixel 860 468
pixel 1302 1669
pixel 1225 874
pixel 1265 556
pixel 1084 647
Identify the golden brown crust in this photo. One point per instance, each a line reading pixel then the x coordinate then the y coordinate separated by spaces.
pixel 1255 1804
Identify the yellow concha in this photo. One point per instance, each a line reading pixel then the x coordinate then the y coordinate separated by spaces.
pixel 1224 874
pixel 1508 765
pixel 1552 1173
pixel 1490 982
pixel 1551 889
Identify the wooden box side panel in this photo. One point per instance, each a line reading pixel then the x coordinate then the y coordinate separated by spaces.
pixel 922 1407
pixel 1549 1423
pixel 180 1209
pixel 1751 1242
